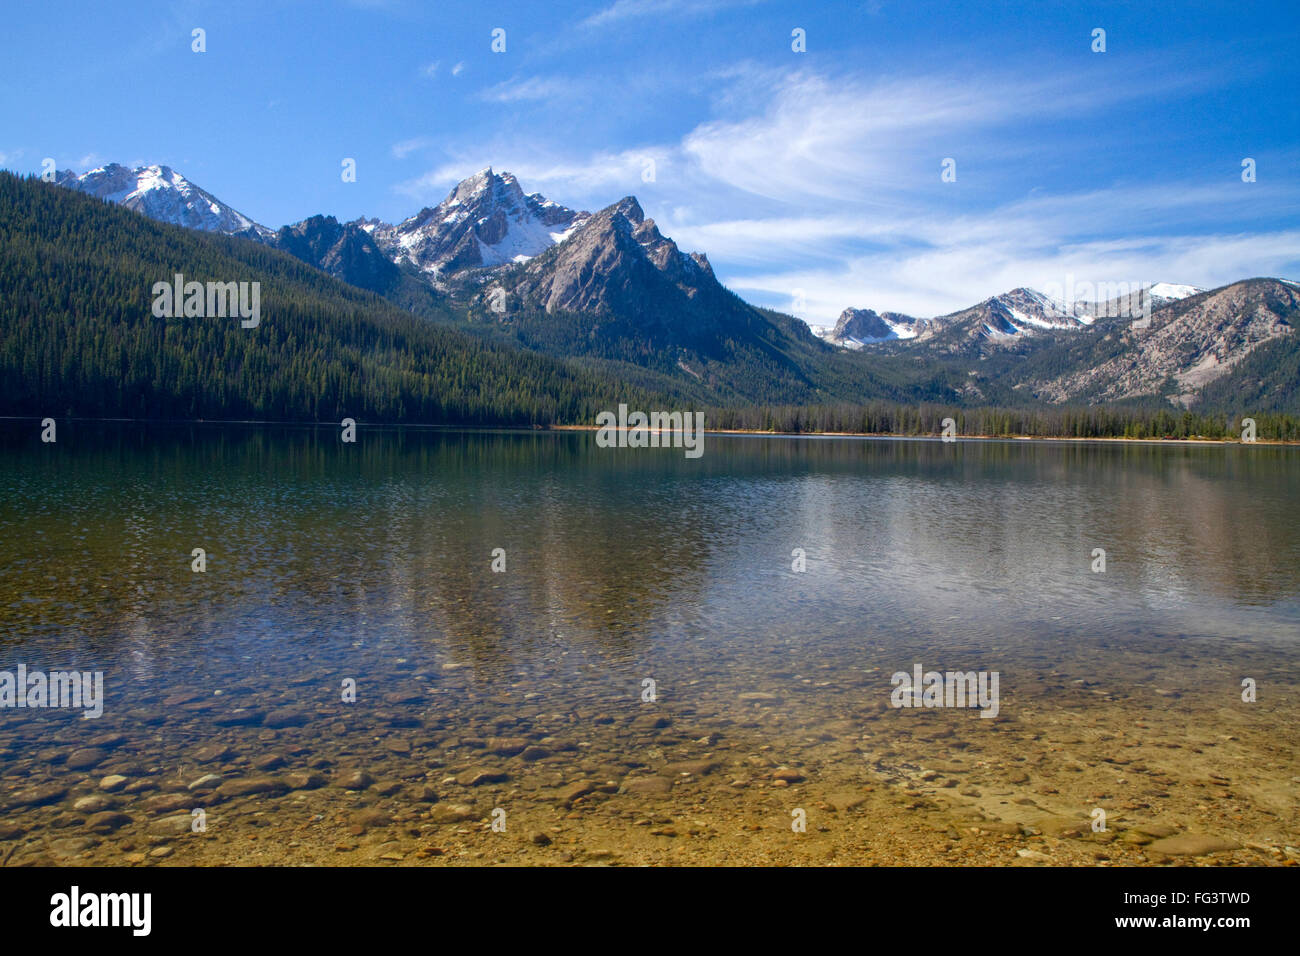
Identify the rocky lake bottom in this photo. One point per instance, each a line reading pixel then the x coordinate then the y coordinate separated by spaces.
pixel 769 591
pixel 706 774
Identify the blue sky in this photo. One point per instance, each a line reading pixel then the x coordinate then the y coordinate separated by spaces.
pixel 812 180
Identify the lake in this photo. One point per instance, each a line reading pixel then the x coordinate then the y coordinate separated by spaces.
pixel 448 647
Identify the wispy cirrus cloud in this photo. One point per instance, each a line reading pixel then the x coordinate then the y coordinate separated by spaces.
pixel 595 180
pixel 533 88
pixel 938 280
pixel 829 183
pixel 408 146
pixel 808 134
pixel 923 260
pixel 624 10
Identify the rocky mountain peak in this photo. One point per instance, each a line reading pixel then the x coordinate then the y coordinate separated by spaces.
pixel 615 261
pixel 486 186
pixel 486 221
pixel 858 327
pixel 346 251
pixel 629 209
pixel 161 193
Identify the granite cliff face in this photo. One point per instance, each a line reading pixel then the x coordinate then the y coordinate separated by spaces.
pixel 618 262
pixel 344 250
pixel 858 327
pixel 1189 344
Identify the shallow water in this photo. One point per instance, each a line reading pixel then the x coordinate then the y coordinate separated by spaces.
pixel 479 691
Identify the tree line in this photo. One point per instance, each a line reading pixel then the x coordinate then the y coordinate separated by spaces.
pixel 891 418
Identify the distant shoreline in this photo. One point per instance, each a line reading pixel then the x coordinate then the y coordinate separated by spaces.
pixel 902 437
pixel 894 436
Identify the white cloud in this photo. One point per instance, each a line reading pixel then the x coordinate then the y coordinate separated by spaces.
pixel 807 135
pixel 623 10
pixel 940 280
pixel 458 68
pixel 830 184
pixel 408 146
pixel 533 88
pixel 595 181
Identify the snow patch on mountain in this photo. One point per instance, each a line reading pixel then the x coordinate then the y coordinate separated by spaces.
pixel 1167 290
pixel 525 238
pixel 485 222
pixel 161 193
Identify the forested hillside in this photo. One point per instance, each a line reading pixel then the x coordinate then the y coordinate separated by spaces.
pixel 77 336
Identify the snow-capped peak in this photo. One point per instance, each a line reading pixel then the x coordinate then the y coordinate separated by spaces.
pixel 1167 290
pixel 858 327
pixel 485 221
pixel 161 193
pixel 1015 311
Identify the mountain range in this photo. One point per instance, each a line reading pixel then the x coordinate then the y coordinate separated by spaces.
pixel 997 320
pixel 610 291
pixel 486 221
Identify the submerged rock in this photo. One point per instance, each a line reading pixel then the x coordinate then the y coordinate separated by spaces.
pixel 354 779
pixel 38 796
pixel 1192 844
pixel 477 776
pixel 107 821
pixel 305 781
pixel 94 803
pixel 451 813
pixel 648 786
pixel 247 786
pixel 86 758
